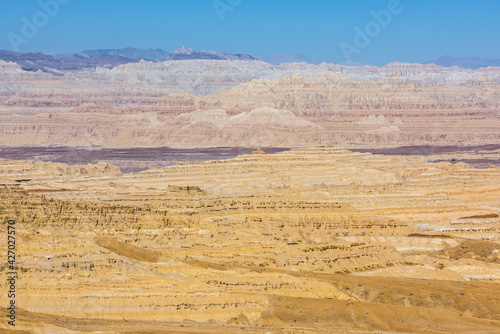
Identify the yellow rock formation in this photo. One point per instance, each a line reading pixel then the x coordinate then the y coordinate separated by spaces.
pixel 294 242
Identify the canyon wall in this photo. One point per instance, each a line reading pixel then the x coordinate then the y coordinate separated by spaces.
pixel 92 109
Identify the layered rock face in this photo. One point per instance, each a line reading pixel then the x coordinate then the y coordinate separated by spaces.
pixel 140 83
pixel 306 240
pixel 295 111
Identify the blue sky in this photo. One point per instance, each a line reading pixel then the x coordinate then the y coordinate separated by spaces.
pixel 417 30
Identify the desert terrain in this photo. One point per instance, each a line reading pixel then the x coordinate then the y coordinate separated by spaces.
pixel 216 103
pixel 231 196
pixel 300 241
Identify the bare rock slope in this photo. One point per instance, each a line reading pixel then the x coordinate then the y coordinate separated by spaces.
pixel 307 240
pixel 293 111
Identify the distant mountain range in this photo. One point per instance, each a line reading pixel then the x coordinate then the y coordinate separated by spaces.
pixel 40 61
pixel 157 55
pixel 184 53
pixel 58 64
pixel 131 53
pixel 465 62
pixel 109 58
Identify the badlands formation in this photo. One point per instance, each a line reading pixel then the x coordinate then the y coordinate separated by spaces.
pixel 313 239
pixel 195 103
pixel 303 241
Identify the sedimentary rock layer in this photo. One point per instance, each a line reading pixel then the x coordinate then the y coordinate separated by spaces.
pixel 308 239
pixel 295 111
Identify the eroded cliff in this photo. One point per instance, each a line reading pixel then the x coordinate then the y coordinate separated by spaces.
pixel 308 239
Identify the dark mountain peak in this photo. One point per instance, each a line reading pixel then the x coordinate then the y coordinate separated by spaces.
pixel 19 58
pixel 73 62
